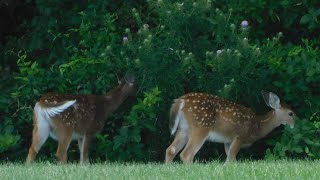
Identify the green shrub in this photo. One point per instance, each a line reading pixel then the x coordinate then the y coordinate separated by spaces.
pixel 297 75
pixel 294 18
pixel 300 142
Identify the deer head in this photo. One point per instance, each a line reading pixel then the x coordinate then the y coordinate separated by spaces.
pixel 283 115
pixel 128 83
pixel 126 87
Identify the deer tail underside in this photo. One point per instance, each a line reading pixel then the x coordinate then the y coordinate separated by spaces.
pixel 52 109
pixel 175 115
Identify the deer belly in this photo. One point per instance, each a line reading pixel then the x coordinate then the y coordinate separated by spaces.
pixel 217 137
pixel 76 136
pixel 245 145
pixel 54 135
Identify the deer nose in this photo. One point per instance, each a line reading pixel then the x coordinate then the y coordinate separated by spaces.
pixel 292 126
pixel 291 123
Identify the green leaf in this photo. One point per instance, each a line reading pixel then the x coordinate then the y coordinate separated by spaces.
pixel 306 149
pixel 305 19
pixel 34 65
pixel 298 149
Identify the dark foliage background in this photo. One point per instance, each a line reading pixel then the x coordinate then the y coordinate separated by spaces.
pixel 173 47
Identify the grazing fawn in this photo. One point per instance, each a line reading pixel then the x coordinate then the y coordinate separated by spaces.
pixel 198 117
pixel 74 117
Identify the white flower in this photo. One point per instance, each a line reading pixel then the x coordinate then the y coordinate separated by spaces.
pixel 232 26
pixel 244 23
pixel 125 39
pixel 245 40
pixel 146 26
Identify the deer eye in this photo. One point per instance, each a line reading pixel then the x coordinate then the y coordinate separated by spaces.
pixel 290 113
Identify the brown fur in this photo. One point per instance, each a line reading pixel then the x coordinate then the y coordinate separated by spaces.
pixel 204 114
pixel 85 118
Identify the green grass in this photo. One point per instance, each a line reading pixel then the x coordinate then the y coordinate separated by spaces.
pixel 241 170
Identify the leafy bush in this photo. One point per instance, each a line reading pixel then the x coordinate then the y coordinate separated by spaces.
pixel 297 71
pixel 294 18
pixel 301 142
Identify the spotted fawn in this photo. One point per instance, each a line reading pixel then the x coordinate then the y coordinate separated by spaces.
pixel 74 117
pixel 198 117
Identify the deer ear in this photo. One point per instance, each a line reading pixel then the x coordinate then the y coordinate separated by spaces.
pixel 271 99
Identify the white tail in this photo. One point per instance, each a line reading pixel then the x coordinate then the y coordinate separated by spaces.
pixel 48 112
pixel 74 117
pixel 198 117
pixel 175 116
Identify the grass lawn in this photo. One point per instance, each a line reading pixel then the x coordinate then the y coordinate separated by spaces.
pixel 214 170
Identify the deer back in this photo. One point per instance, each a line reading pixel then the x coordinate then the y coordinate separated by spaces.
pixel 217 114
pixel 79 115
pixel 83 113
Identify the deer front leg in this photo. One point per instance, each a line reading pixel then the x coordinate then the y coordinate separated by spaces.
pixel 226 148
pixel 64 142
pixel 80 144
pixel 234 149
pixel 178 143
pixel 84 148
pixel 195 142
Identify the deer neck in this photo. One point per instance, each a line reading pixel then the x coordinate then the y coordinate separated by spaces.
pixel 267 123
pixel 118 96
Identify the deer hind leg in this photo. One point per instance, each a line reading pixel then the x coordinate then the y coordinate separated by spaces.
pixel 234 149
pixel 64 140
pixel 40 134
pixel 84 148
pixel 196 139
pixel 178 143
